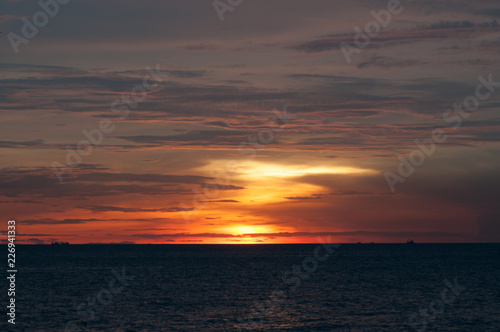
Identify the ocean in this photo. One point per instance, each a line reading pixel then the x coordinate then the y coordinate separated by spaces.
pixel 309 287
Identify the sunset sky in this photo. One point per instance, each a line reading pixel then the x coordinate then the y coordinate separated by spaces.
pixel 220 84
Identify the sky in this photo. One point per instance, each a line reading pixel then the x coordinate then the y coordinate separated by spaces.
pixel 258 122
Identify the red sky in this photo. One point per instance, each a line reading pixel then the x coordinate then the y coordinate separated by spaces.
pixel 200 157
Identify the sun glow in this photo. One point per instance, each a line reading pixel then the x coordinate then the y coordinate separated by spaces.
pixel 260 186
pixel 240 230
pixel 259 170
pixel 246 230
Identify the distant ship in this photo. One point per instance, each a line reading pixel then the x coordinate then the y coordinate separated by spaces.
pixel 410 242
pixel 60 243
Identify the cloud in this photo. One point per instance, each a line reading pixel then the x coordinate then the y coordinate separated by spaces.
pixel 301 198
pixel 41 182
pixel 204 137
pixel 178 73
pixel 5 18
pixel 51 221
pixel 121 242
pixel 99 209
pixel 17 145
pixel 36 234
pixel 491 12
pixel 398 235
pixel 443 30
pixel 462 25
pixel 218 124
pixel 34 241
pixel 200 47
pixel 134 177
pixel 387 62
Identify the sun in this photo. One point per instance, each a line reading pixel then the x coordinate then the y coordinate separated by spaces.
pixel 246 230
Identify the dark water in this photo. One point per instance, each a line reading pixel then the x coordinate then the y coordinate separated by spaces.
pixel 208 287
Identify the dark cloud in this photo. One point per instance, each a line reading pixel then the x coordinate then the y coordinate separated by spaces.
pixel 187 73
pixel 199 47
pixel 387 63
pixel 34 241
pixel 167 73
pixel 301 198
pixel 99 209
pixel 437 31
pixel 218 124
pixel 131 177
pixel 16 145
pixel 491 12
pixel 462 25
pixel 51 221
pixel 206 137
pixel 42 183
